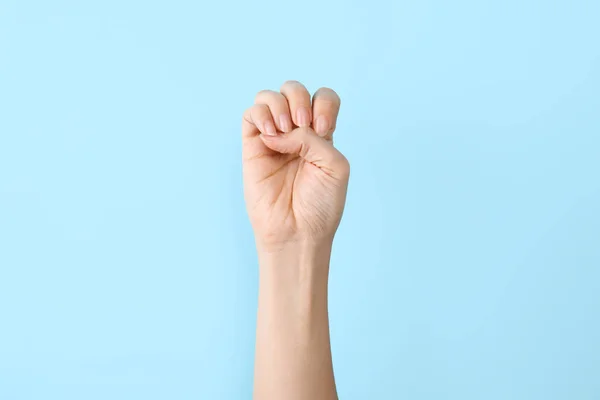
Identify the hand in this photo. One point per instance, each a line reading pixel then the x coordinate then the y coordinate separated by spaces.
pixel 294 179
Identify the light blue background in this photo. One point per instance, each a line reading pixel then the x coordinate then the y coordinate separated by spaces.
pixel 468 262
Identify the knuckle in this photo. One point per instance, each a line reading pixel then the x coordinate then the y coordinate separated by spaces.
pixel 271 99
pixel 328 95
pixel 249 113
pixel 263 95
pixel 246 116
pixel 325 90
pixel 259 111
pixel 294 89
pixel 291 82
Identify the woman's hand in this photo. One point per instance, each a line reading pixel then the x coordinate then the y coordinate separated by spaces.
pixel 294 179
pixel 295 187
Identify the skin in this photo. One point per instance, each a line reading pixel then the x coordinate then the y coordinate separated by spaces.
pixel 295 184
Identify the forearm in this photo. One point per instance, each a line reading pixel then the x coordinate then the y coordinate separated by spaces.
pixel 293 354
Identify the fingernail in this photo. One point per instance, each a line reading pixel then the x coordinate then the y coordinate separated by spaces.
pixel 285 122
pixel 322 125
pixel 269 129
pixel 303 116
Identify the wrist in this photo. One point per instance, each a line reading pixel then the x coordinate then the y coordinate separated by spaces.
pixel 294 247
pixel 296 271
pixel 299 254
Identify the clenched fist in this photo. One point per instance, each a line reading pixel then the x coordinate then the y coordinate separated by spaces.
pixel 294 179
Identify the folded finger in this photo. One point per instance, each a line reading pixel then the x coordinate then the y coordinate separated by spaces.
pixel 326 106
pixel 298 99
pixel 258 119
pixel 278 106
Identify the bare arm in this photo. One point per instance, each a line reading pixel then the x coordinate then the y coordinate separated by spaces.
pixel 293 355
pixel 295 188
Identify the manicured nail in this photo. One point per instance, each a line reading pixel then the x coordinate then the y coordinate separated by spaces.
pixel 322 125
pixel 269 129
pixel 303 116
pixel 285 122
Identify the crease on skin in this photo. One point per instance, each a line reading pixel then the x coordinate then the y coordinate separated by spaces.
pixel 265 150
pixel 258 201
pixel 291 205
pixel 245 117
pixel 303 153
pixel 329 172
pixel 279 192
pixel 277 170
pixel 258 156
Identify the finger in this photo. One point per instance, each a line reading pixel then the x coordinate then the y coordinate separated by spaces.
pixel 326 106
pixel 278 106
pixel 257 119
pixel 312 148
pixel 299 101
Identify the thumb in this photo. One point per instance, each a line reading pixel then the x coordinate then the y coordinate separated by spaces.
pixel 312 148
